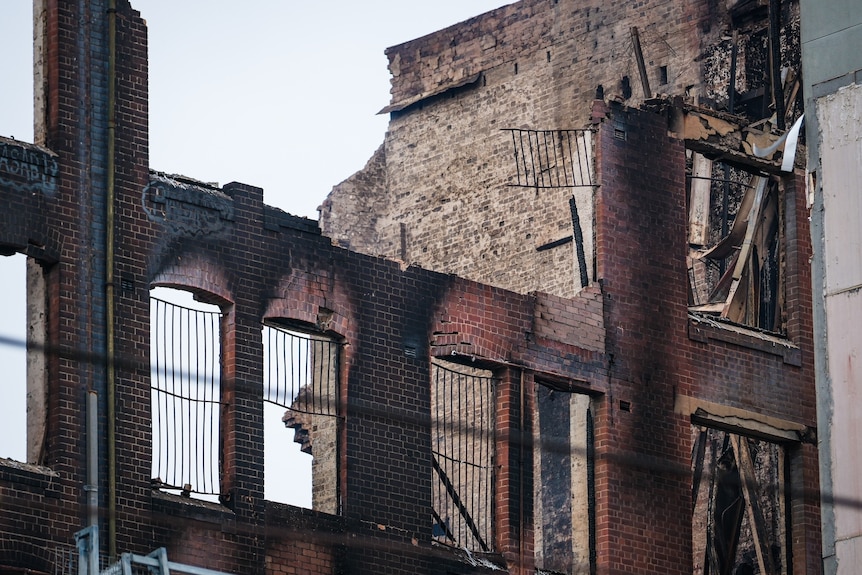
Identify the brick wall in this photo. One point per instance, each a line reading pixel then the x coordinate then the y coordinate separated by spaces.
pixel 440 191
pixel 256 263
pixel 626 340
pixel 642 446
pixel 46 503
pixel 444 198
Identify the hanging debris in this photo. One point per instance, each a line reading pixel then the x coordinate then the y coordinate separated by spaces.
pixel 739 505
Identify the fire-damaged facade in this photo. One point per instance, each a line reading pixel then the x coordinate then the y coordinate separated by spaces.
pixel 560 323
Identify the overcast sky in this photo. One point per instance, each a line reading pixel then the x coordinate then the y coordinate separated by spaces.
pixel 279 94
pixel 282 95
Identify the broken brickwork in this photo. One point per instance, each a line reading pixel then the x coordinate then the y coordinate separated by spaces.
pixel 598 379
pixel 257 264
pixel 511 159
pixel 443 190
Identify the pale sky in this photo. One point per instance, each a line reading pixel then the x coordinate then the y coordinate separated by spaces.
pixel 282 95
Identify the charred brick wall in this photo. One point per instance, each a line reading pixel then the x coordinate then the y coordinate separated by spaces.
pixel 446 197
pixel 386 316
pixel 626 341
pixel 443 190
pixel 640 444
pixel 255 262
pixel 68 198
pixel 657 354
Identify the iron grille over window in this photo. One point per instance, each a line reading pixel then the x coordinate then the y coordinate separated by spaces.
pixel 552 158
pixel 301 376
pixel 302 371
pixel 462 404
pixel 186 395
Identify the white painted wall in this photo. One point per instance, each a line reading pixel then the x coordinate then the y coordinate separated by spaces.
pixel 840 117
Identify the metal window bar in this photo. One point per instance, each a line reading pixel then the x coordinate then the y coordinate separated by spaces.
pixel 186 397
pixel 462 457
pixel 301 371
pixel 552 158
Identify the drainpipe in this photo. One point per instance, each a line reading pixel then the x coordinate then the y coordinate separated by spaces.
pixel 109 283
pixel 92 487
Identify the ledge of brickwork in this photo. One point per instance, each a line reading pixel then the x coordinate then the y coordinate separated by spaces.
pixel 704 329
pixel 291 515
pixel 196 509
pixel 29 477
pixel 274 219
pixel 437 91
pixel 27 168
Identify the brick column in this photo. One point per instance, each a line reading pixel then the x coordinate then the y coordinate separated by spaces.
pixel 514 474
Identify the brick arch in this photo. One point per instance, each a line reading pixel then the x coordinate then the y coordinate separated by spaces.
pixel 456 337
pixel 20 554
pixel 316 298
pixel 198 274
pixel 479 321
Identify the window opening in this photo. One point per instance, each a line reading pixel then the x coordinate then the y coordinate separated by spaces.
pixel 739 521
pixel 563 495
pixel 16 45
pixel 13 358
pixel 554 160
pixel 301 392
pixel 735 246
pixel 462 435
pixel 662 75
pixel 185 350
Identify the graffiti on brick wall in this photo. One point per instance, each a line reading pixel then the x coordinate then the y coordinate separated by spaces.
pixel 186 206
pixel 28 170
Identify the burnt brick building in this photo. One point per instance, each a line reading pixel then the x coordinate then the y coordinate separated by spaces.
pixel 649 409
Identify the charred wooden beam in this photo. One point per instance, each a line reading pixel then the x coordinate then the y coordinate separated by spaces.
pixel 636 43
pixel 731 88
pixel 749 492
pixel 775 61
pixel 726 514
pixel 554 244
pixel 697 455
pixel 698 214
pixel 745 248
pixel 579 242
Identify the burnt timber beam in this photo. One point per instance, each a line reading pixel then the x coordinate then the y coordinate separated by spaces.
pixel 636 43
pixel 749 492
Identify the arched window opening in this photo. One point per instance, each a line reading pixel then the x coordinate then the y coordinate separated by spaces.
pixel 462 455
pixel 185 353
pixel 23 334
pixel 301 392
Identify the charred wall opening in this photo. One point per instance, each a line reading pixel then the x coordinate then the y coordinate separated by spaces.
pixel 736 251
pixel 563 497
pixel 739 495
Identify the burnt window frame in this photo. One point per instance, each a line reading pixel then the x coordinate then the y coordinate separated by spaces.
pixel 468 533
pixel 735 252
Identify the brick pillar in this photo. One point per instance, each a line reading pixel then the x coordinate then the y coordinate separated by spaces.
pixel 514 481
pixel 643 487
